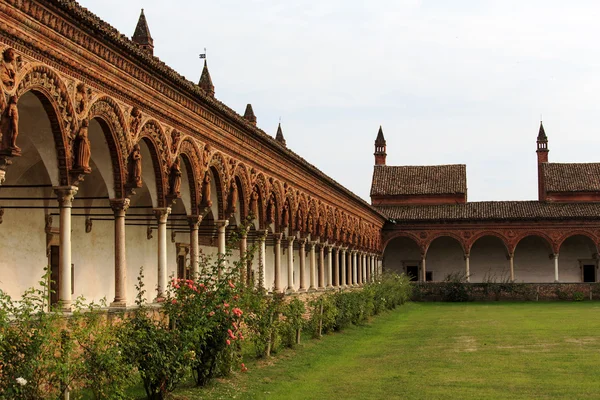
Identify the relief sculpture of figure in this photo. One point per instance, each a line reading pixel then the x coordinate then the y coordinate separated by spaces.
pixel 299 224
pixel 136 167
pixel 206 201
pixel 286 215
pixel 82 149
pixel 8 70
pixel 134 122
pixel 254 204
pixel 233 198
pixel 175 179
pixel 271 210
pixel 81 98
pixel 10 127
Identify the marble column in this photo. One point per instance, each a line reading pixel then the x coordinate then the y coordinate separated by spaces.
pixel 423 269
pixel 277 267
pixel 363 268
pixel 290 255
pixel 65 196
pixel 354 268
pixel 370 268
pixel 555 256
pixel 261 260
pixel 194 224
pixel 321 266
pixel 119 207
pixel 161 216
pixel 467 268
pixel 329 268
pixel 511 265
pixel 221 250
pixel 313 262
pixel 244 262
pixel 336 267
pixel 344 271
pixel 302 259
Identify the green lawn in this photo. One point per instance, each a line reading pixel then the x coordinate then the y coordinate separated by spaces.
pixel 438 351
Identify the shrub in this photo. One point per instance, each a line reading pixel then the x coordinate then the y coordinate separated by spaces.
pixel 293 322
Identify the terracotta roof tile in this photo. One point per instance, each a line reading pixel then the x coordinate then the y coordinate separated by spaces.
pixel 571 177
pixel 492 210
pixel 419 180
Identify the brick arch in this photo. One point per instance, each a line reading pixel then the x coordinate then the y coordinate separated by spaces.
pixel 218 167
pixel 408 235
pixel 191 156
pixel 301 213
pixel 452 235
pixel 469 244
pixel 154 137
pixel 278 196
pixel 52 92
pixel 260 186
pixel 242 179
pixel 513 246
pixel 293 204
pixel 578 232
pixel 105 110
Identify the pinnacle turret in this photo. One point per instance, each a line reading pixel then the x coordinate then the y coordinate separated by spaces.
pixel 142 36
pixel 279 136
pixel 380 147
pixel 249 114
pixel 205 82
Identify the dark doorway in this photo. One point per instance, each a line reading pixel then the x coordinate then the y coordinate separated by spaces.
pixel 589 273
pixel 428 276
pixel 181 270
pixel 412 271
pixel 54 275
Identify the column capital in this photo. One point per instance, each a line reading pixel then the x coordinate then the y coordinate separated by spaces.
pixel 119 205
pixel 161 214
pixel 222 223
pixel 290 240
pixel 65 195
pixel 194 220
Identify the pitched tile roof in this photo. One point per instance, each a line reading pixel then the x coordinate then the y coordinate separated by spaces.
pixel 492 210
pixel 571 177
pixel 416 180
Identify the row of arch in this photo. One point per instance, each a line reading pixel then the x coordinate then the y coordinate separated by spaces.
pixel 554 238
pixel 268 202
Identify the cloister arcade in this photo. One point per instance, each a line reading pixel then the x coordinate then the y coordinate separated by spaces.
pixel 108 174
pixel 565 254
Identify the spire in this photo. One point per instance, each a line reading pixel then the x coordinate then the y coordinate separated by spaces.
pixel 380 147
pixel 542 142
pixel 205 82
pixel 542 134
pixel 249 114
pixel 142 36
pixel 279 136
pixel 542 158
pixel 380 139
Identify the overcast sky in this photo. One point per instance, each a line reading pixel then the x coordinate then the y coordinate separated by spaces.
pixel 460 81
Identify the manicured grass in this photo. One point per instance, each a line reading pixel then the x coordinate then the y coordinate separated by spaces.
pixel 437 351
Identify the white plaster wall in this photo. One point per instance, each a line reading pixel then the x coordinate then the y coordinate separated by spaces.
pixel 572 251
pixel 488 261
pixel 22 249
pixel 399 250
pixel 532 261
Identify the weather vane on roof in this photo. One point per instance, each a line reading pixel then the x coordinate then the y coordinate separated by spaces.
pixel 203 55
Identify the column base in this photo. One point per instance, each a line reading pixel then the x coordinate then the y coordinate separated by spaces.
pixel 312 289
pixel 301 290
pixel 290 290
pixel 66 305
pixel 118 304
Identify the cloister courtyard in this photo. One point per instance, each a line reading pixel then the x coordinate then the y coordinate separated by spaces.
pixel 437 351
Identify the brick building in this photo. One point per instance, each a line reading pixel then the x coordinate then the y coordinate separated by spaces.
pixel 433 231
